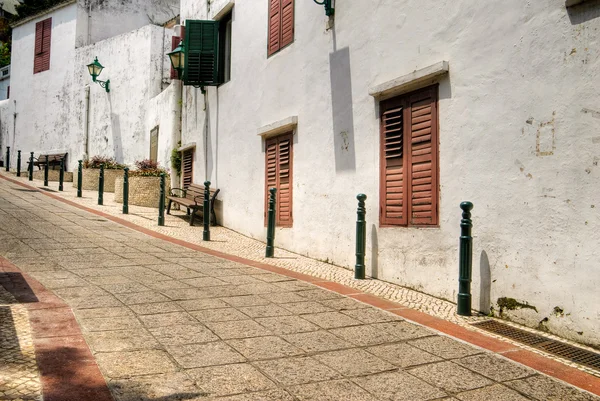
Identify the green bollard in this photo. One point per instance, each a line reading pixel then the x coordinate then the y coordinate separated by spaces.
pixel 30 168
pixel 161 201
pixel 8 158
pixel 465 261
pixel 79 178
pixel 46 172
pixel 206 212
pixel 18 163
pixel 271 225
pixel 126 190
pixel 61 176
pixel 361 238
pixel 101 185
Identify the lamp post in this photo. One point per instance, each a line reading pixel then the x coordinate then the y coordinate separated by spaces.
pixel 328 4
pixel 177 57
pixel 95 70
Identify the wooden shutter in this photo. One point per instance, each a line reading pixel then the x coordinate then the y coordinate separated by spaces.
pixel 278 174
pixel 284 176
pixel 423 157
pixel 43 40
pixel 174 43
pixel 274 41
pixel 187 168
pixel 202 53
pixel 287 22
pixel 270 170
pixel 393 208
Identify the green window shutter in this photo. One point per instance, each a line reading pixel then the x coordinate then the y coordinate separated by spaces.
pixel 201 53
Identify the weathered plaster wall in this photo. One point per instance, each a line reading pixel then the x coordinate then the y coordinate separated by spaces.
pixel 164 112
pixel 103 19
pixel 6 126
pixel 136 65
pixel 42 100
pixel 519 136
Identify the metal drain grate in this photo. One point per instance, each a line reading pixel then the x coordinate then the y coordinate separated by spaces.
pixel 566 351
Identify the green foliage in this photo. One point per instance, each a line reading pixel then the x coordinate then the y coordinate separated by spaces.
pixel 4 54
pixel 147 168
pixel 31 7
pixel 109 163
pixel 176 159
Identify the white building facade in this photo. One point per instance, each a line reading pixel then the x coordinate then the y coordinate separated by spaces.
pixel 419 105
pixel 56 108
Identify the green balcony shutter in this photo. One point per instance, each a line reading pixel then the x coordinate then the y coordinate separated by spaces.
pixel 201 53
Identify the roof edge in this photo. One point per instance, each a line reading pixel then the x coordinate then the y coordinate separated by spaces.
pixel 41 13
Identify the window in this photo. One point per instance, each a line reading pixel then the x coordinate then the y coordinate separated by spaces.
pixel 154 144
pixel 187 168
pixel 278 174
pixel 225 48
pixel 281 25
pixel 43 32
pixel 201 53
pixel 409 160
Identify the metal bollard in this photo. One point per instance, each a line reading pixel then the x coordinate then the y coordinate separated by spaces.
pixel 8 158
pixel 46 172
pixel 101 185
pixel 18 163
pixel 30 168
pixel 161 201
pixel 271 225
pixel 79 178
pixel 361 238
pixel 465 261
pixel 126 190
pixel 61 175
pixel 206 212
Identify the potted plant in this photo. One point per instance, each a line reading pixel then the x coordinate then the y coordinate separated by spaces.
pixel 144 184
pixel 91 173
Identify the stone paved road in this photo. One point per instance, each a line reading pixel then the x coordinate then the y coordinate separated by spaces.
pixel 167 323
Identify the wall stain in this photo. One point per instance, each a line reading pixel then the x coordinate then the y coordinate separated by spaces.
pixel 593 113
pixel 547 128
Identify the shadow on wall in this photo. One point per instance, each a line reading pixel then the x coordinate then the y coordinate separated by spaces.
pixel 485 284
pixel 115 125
pixel 584 12
pixel 342 110
pixel 374 252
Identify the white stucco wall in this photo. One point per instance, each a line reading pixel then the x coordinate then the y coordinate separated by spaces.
pixel 103 19
pixel 42 100
pixel 519 136
pixel 137 67
pixel 7 119
pixel 164 112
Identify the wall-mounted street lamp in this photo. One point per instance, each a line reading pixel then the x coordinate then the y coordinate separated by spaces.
pixel 95 70
pixel 177 57
pixel 329 10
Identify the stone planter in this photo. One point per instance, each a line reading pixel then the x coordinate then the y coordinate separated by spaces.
pixel 91 175
pixel 143 191
pixel 53 175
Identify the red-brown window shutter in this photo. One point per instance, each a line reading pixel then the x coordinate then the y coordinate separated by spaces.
pixel 392 188
pixel 423 191
pixel 278 174
pixel 287 22
pixel 174 43
pixel 409 159
pixel 274 41
pixel 43 39
pixel 187 168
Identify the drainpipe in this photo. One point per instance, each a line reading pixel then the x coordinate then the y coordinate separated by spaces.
pixel 86 138
pixel 177 102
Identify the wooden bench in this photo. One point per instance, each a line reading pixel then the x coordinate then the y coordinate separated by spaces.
pixel 52 160
pixel 193 199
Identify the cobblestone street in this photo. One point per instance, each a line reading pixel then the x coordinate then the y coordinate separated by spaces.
pixel 166 322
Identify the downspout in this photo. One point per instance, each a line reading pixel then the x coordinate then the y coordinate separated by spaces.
pixel 86 138
pixel 177 102
pixel 89 24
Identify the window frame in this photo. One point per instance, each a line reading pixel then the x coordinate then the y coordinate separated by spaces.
pixel 404 101
pixel 225 42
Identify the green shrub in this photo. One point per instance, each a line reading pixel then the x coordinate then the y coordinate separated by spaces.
pixel 147 168
pixel 109 163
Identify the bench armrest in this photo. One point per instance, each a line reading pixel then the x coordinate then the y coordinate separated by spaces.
pixel 181 191
pixel 201 197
